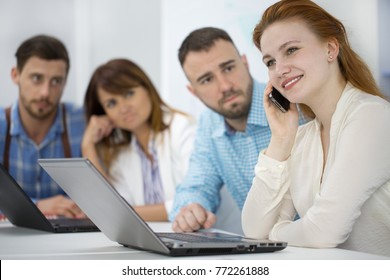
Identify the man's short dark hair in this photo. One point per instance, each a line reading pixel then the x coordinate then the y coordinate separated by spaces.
pixel 202 40
pixel 44 47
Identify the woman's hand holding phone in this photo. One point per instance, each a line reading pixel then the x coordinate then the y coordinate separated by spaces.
pixel 283 124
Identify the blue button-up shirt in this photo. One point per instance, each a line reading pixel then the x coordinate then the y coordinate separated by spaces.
pixel 24 153
pixel 222 156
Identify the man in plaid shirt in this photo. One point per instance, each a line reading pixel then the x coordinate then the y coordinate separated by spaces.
pixel 38 125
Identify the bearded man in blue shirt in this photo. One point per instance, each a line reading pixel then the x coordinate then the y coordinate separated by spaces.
pixel 230 134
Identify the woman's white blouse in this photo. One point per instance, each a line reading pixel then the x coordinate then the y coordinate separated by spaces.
pixel 349 205
pixel 174 146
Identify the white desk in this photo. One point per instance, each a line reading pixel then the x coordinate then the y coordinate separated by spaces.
pixel 20 243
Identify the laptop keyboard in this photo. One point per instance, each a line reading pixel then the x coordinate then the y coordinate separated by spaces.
pixel 200 237
pixel 72 222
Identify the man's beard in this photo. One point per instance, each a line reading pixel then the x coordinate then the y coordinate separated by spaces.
pixel 236 110
pixel 40 114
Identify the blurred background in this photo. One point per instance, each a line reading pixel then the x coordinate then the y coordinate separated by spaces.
pixel 150 32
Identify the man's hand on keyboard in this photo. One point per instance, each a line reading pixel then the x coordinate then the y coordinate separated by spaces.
pixel 192 218
pixel 61 206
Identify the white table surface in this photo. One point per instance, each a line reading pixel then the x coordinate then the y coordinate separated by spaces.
pixel 21 243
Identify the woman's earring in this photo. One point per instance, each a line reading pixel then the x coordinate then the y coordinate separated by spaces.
pixel 331 57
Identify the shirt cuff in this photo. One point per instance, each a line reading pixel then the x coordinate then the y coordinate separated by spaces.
pixel 267 164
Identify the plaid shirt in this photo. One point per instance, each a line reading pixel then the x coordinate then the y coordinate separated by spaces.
pixel 222 156
pixel 24 152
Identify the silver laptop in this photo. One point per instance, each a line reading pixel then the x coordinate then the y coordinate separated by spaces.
pixel 21 211
pixel 120 223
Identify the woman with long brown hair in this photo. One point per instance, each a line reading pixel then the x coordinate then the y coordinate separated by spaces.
pixel 134 138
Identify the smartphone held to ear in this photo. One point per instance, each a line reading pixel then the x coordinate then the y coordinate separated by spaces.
pixel 279 100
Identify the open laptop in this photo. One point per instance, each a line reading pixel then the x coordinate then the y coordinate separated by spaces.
pixel 120 223
pixel 22 211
